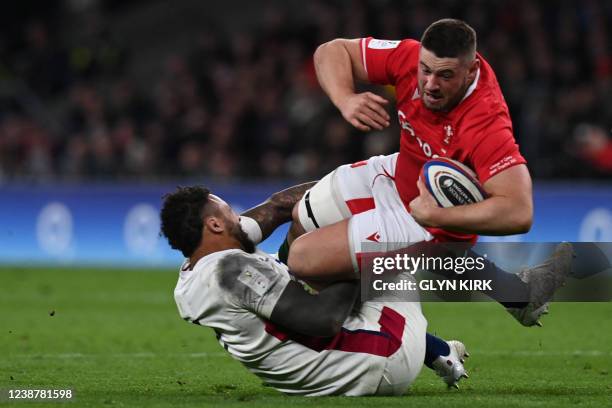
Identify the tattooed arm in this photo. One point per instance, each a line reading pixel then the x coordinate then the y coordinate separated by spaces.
pixel 276 210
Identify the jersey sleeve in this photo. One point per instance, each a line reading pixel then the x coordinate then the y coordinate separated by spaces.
pixel 251 283
pixel 495 149
pixel 385 61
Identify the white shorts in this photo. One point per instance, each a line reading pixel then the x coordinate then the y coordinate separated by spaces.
pixel 366 193
pixel 391 375
pixel 403 367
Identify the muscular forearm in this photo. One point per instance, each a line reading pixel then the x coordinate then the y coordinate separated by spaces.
pixel 508 210
pixel 334 70
pixel 493 216
pixel 339 65
pixel 276 210
pixel 319 315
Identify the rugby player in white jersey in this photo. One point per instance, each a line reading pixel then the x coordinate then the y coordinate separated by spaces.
pixel 297 341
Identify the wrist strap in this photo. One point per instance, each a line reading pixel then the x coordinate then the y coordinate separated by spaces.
pixel 252 229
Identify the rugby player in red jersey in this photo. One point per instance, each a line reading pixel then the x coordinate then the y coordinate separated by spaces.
pixel 449 104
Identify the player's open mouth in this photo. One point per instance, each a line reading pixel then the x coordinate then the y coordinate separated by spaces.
pixel 435 97
pixel 432 99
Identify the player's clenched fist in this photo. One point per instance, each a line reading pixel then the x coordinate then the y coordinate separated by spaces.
pixel 365 111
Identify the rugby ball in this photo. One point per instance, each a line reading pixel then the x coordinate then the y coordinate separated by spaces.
pixel 451 183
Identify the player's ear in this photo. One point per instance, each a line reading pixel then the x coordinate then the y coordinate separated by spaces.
pixel 474 65
pixel 214 224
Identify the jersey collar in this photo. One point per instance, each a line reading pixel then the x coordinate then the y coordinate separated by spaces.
pixel 472 87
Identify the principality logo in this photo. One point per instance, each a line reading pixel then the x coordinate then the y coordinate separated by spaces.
pixel 448 134
pixel 405 125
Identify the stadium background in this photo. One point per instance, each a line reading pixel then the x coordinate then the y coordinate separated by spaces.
pixel 106 105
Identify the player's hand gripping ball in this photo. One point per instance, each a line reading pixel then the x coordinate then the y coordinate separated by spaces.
pixel 444 183
pixel 451 183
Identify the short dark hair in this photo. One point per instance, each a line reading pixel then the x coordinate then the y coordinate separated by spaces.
pixel 182 216
pixel 450 38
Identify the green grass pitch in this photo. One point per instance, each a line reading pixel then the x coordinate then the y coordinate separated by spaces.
pixel 115 338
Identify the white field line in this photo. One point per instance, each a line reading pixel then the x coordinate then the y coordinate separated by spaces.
pixel 498 353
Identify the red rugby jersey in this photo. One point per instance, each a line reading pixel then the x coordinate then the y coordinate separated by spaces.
pixel 477 132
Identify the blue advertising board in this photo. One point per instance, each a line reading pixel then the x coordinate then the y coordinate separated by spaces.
pixel 118 225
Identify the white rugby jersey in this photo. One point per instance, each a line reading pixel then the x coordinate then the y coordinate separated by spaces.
pixel 237 308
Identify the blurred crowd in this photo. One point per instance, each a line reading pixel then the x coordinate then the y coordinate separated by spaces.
pixel 245 104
